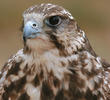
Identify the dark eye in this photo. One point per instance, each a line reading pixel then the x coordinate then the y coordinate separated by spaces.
pixel 53 21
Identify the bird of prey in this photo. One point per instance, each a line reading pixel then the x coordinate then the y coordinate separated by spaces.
pixel 57 61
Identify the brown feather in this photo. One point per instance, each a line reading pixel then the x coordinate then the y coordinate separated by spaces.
pixel 60 64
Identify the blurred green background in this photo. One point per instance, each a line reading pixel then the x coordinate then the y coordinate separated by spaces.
pixel 93 16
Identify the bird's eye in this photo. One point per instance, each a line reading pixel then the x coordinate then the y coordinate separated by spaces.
pixel 53 21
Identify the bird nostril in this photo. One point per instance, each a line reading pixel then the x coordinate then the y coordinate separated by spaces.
pixel 34 25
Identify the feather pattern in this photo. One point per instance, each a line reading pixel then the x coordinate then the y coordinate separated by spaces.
pixel 60 64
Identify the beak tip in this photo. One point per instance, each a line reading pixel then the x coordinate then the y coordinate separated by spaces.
pixel 24 38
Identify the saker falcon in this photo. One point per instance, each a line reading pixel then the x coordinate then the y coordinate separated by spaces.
pixel 57 61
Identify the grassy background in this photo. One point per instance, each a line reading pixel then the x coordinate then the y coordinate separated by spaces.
pixel 93 17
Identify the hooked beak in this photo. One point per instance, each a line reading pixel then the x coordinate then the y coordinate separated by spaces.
pixel 31 30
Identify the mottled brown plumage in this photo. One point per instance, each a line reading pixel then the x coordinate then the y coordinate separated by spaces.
pixel 57 64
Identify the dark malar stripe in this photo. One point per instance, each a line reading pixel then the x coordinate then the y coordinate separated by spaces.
pixel 55 41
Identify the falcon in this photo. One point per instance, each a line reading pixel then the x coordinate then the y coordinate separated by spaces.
pixel 57 61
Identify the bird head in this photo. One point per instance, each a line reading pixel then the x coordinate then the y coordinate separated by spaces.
pixel 48 26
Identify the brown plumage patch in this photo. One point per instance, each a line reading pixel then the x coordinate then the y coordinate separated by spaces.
pixel 57 64
pixel 20 83
pixel 24 96
pixel 41 76
pixel 13 88
pixel 36 81
pixel 15 69
pixel 56 82
pixel 60 95
pixel 7 93
pixel 90 96
pixel 46 92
